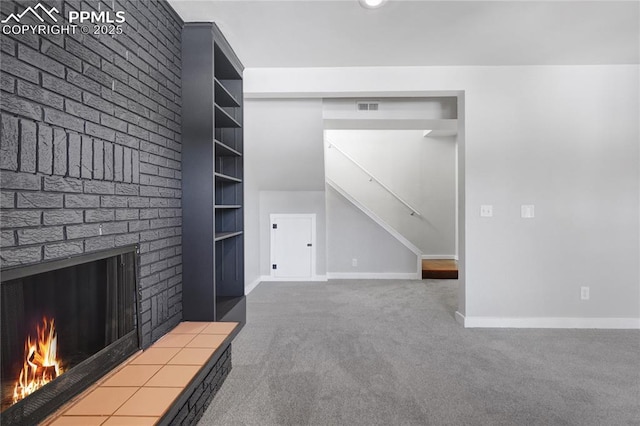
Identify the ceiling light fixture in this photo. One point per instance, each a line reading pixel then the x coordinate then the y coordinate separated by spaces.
pixel 372 4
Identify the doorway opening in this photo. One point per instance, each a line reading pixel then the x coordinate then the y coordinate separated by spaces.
pixel 397 164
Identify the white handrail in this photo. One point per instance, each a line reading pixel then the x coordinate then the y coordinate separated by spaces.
pixel 373 178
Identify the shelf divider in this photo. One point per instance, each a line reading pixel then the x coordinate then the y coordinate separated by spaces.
pixel 225 150
pixel 223 119
pixel 227 178
pixel 224 235
pixel 224 98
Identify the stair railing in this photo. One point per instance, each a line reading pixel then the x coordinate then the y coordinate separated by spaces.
pixel 372 178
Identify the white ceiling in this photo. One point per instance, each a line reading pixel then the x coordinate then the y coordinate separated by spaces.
pixel 321 33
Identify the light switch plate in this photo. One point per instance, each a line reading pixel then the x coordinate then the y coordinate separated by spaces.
pixel 527 211
pixel 486 210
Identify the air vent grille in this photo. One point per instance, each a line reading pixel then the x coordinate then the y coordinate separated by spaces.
pixel 368 106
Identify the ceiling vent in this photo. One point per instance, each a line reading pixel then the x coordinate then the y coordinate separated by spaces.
pixel 367 106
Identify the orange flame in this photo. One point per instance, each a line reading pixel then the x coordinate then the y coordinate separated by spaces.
pixel 41 364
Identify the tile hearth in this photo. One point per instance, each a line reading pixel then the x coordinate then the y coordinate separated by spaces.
pixel 142 389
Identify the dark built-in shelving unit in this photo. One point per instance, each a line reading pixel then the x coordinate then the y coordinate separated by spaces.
pixel 212 177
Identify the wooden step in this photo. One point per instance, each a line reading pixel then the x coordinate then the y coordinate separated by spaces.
pixel 439 269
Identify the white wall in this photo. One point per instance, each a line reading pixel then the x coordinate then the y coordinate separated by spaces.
pixel 353 235
pixel 419 170
pixel 282 153
pixel 564 138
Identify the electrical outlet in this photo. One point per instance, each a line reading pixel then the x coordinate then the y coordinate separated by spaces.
pixel 354 262
pixel 527 211
pixel 584 293
pixel 486 210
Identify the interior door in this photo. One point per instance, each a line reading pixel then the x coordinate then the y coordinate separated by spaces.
pixel 293 246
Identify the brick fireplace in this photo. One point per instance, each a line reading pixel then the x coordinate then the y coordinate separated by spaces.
pixel 90 148
pixel 64 324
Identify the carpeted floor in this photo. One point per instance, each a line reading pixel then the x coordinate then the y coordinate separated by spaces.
pixel 391 353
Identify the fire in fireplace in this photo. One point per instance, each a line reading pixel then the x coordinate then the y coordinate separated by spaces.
pixel 64 324
pixel 41 364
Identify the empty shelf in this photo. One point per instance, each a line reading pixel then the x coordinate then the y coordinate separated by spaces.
pixel 223 119
pixel 227 178
pixel 225 150
pixel 224 68
pixel 224 304
pixel 224 235
pixel 223 97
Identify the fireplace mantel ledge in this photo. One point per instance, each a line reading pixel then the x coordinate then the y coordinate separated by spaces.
pixel 160 385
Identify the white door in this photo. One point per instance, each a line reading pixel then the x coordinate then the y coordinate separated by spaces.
pixel 293 250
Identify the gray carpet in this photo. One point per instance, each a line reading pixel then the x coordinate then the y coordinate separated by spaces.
pixel 391 353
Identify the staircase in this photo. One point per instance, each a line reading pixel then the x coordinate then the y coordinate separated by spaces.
pixel 377 200
pixel 403 220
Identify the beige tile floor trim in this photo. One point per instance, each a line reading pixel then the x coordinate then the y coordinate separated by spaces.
pixel 144 387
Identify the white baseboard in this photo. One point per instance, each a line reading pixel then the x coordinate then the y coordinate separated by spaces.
pixel 314 278
pixel 558 322
pixel 373 276
pixel 439 257
pixel 249 288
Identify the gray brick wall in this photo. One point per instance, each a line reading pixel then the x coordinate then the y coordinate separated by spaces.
pixel 90 147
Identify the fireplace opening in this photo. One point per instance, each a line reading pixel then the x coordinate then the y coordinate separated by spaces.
pixel 64 324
